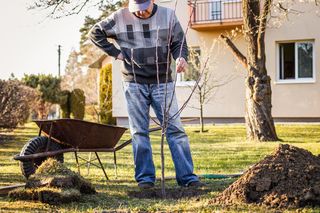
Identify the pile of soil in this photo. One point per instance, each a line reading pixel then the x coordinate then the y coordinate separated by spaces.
pixel 290 177
pixel 53 183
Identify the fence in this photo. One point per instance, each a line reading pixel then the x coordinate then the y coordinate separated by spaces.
pixel 216 10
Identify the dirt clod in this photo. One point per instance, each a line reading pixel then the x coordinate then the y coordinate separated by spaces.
pixel 290 177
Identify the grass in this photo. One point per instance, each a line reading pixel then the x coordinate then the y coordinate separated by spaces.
pixel 221 150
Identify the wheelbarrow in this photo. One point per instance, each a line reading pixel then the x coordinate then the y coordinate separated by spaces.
pixel 60 136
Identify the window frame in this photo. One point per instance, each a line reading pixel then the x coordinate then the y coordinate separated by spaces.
pixel 296 79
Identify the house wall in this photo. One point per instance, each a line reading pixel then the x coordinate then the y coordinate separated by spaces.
pixel 295 99
pixel 289 100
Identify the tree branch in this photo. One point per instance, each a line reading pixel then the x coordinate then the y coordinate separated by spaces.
pixel 262 29
pixel 251 14
pixel 63 8
pixel 288 10
pixel 235 51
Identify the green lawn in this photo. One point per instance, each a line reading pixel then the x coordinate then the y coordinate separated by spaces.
pixel 222 150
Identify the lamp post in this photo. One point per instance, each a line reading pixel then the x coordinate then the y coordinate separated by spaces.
pixel 59 74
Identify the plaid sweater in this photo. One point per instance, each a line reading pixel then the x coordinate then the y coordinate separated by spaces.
pixel 140 43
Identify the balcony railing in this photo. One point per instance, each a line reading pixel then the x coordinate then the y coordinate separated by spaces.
pixel 216 12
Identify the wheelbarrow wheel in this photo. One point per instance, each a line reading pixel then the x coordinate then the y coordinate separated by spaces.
pixel 34 146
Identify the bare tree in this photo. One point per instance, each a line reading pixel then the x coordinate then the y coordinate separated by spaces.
pixel 62 8
pixel 73 72
pixel 169 99
pixel 78 75
pixel 210 81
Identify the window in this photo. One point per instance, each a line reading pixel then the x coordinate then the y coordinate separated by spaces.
pixel 220 10
pixel 296 61
pixel 215 10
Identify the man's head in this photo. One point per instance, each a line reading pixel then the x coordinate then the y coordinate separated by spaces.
pixel 141 8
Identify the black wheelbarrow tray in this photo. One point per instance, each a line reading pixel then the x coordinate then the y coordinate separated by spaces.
pixel 70 135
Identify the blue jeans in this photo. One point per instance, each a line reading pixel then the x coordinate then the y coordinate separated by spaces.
pixel 139 99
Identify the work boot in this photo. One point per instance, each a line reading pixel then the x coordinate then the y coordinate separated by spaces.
pixel 196 184
pixel 146 185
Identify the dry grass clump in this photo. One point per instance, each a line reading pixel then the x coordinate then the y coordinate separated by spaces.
pixel 53 183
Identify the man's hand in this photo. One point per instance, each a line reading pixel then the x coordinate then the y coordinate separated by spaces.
pixel 181 65
pixel 120 57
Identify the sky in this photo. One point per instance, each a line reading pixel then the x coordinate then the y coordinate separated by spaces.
pixel 29 40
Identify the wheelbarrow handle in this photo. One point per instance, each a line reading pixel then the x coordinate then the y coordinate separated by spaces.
pixel 130 140
pixel 155 129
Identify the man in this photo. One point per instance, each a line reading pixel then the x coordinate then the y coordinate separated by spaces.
pixel 143 32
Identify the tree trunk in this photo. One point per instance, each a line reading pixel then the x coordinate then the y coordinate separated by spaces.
pixel 259 121
pixel 42 111
pixel 201 118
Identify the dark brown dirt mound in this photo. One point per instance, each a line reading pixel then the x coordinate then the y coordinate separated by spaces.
pixel 288 178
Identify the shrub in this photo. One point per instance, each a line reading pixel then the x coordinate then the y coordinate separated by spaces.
pixel 16 101
pixel 77 103
pixel 92 113
pixel 47 85
pixel 48 88
pixel 105 95
pixel 65 103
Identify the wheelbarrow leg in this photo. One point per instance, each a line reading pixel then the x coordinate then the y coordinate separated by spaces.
pixel 89 163
pixel 40 130
pixel 49 140
pixel 115 163
pixel 76 155
pixel 105 174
